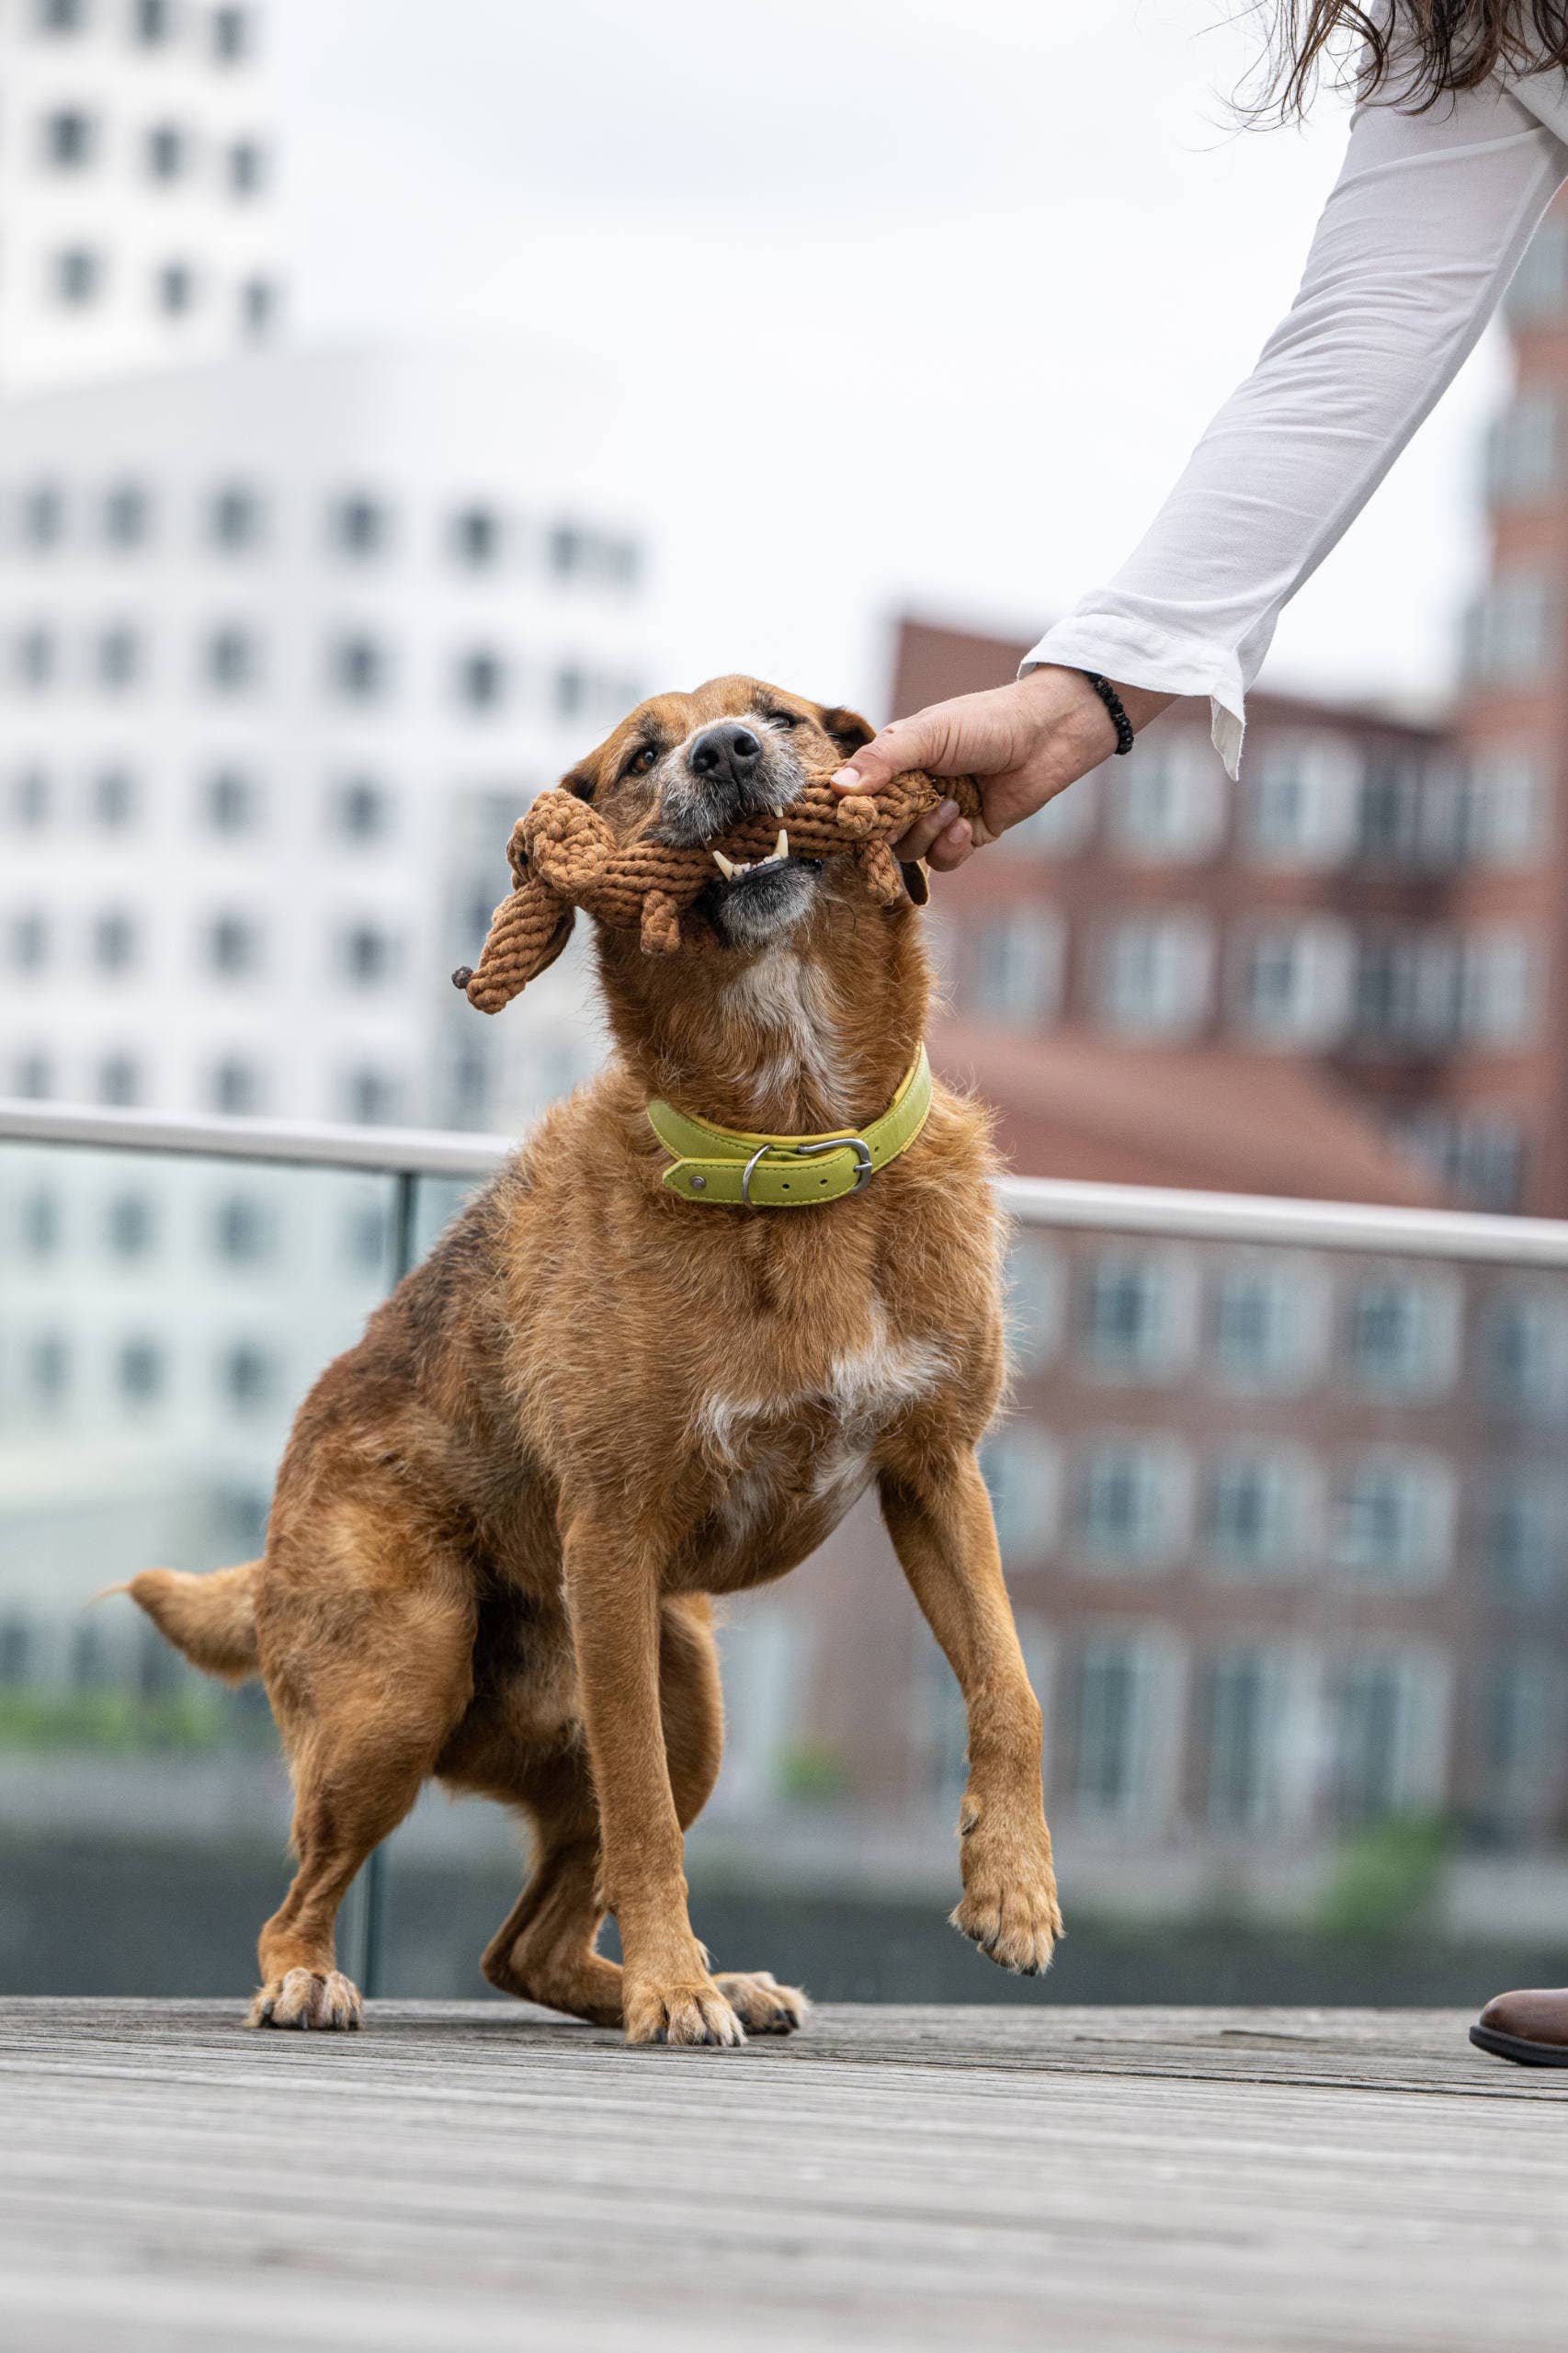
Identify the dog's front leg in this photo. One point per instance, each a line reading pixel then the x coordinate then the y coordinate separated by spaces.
pixel 941 1521
pixel 612 1592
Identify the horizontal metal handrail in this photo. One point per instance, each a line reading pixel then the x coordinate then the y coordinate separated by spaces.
pixel 1162 1210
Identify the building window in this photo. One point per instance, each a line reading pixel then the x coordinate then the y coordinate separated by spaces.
pixel 167 152
pixel 1524 450
pixel 1478 1160
pixel 1405 997
pixel 1020 1472
pixel 40 1221
pixel 151 22
pixel 174 289
pixel 250 1376
pixel 60 15
pixel 1393 1521
pixel 78 275
pixel 1492 813
pixel 482 679
pixel 231 34
pixel 1526 1350
pixel 117 658
pixel 28 941
pixel 1130 1503
pixel 114 800
pixel 361 526
pixel 247 166
pixel 1304 792
pixel 236 519
pixel 1389 811
pixel 43 515
pixel 1295 982
pixel 1525 1536
pixel 1243 1708
pixel 1268 1325
pixel 119 1082
pixel 1388 1714
pixel 130 1227
pixel 373 1099
pixel 234 946
pixel 231 802
pixel 49 1369
pixel 258 306
pixel 29 801
pixel 1015 971
pixel 1114 1703
pixel 140 1371
pixel 244 1231
pixel 126 516
pixel 1539 287
pixel 476 536
pixel 1036 1288
pixel 368 955
pixel 35 1077
pixel 1154 975
pixel 69 140
pixel 114 941
pixel 230 660
pixel 1167 800
pixel 361 810
pixel 1510 631
pixel 359 668
pixel 1137 1312
pixel 236 1088
pixel 1498 988
pixel 1252 1516
pixel 1402 1335
pixel 36 658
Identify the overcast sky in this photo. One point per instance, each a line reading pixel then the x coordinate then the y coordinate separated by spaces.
pixel 911 302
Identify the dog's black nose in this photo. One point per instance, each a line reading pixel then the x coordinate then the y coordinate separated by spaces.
pixel 725 754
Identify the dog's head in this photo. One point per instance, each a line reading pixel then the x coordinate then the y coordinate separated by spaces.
pixel 686 768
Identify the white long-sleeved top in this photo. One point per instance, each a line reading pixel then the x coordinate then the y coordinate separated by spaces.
pixel 1423 229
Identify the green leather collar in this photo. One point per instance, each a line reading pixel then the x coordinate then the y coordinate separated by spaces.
pixel 731 1169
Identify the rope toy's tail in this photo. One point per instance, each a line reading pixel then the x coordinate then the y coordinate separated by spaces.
pixel 564 856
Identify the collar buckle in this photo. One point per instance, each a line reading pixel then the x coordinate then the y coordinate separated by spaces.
pixel 865 1166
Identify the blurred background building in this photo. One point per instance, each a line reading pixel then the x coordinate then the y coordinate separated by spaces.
pixel 288 637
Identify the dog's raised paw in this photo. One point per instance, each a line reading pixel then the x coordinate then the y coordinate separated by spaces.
pixel 687 2015
pixel 1016 1924
pixel 762 2004
pixel 323 2001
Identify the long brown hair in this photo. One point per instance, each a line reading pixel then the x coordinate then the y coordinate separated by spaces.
pixel 1415 51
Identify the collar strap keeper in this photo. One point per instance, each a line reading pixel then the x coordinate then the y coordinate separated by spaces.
pixel 728 1168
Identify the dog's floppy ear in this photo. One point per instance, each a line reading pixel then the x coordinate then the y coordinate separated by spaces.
pixel 848 729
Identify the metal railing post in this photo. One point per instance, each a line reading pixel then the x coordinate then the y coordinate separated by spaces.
pixel 373 1875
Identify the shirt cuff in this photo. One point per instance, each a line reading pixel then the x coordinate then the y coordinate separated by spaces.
pixel 1163 663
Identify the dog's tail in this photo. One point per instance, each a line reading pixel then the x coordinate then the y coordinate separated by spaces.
pixel 211 1618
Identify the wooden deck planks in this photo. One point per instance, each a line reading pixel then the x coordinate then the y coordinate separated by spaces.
pixel 473 2176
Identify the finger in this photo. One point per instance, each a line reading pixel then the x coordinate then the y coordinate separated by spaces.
pixel 924 831
pixel 956 845
pixel 915 743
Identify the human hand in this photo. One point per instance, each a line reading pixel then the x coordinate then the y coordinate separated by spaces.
pixel 1023 744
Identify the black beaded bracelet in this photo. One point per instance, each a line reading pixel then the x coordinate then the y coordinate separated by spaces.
pixel 1112 702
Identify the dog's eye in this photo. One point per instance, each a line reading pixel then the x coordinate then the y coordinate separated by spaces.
pixel 641 760
pixel 785 718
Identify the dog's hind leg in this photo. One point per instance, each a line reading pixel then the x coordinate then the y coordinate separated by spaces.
pixel 544 1950
pixel 399 1676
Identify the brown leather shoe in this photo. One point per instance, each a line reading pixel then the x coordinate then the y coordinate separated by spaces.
pixel 1531 2028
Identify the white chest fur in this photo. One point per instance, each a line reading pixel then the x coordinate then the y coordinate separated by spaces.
pixel 749 1443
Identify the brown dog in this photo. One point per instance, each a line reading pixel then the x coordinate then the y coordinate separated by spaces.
pixel 500 1518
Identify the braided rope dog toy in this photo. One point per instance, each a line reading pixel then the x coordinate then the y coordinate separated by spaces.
pixel 564 856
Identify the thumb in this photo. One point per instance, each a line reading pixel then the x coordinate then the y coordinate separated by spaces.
pixel 915 743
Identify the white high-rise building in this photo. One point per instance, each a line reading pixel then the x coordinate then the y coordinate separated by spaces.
pixel 136 177
pixel 288 639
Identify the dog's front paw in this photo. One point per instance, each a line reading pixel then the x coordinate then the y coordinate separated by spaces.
pixel 694 2013
pixel 1009 1907
pixel 762 2004
pixel 325 2000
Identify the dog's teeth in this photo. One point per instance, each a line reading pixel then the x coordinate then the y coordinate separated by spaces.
pixel 781 846
pixel 726 869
